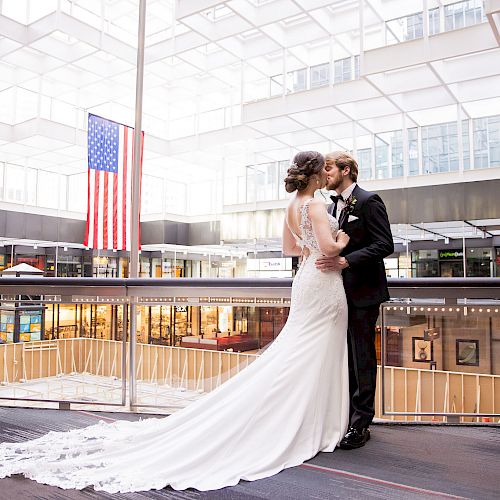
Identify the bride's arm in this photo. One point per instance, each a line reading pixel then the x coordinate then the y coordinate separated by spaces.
pixel 328 244
pixel 290 246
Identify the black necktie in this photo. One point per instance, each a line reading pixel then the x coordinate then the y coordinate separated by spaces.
pixel 335 200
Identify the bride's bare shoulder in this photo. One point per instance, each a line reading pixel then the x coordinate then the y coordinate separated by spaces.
pixel 317 205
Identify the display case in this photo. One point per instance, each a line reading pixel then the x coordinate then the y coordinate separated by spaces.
pixel 19 323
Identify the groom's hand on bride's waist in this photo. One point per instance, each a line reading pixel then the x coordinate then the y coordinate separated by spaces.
pixel 331 263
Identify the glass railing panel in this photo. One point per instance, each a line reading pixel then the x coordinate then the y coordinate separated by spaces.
pixel 441 361
pixel 59 353
pixel 439 358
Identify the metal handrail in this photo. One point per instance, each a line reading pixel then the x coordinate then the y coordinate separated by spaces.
pixel 227 291
pixel 397 283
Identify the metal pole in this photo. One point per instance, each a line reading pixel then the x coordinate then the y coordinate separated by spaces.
pixel 123 374
pixel 134 231
pixel 136 179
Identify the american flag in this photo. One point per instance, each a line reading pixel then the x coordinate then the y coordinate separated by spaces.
pixel 110 163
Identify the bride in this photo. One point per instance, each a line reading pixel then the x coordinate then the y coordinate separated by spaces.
pixel 288 405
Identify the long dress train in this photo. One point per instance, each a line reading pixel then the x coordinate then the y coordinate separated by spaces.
pixel 285 407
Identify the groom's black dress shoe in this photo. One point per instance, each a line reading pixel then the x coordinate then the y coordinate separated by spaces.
pixel 355 438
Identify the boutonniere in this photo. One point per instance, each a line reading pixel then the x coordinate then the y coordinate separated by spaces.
pixel 350 203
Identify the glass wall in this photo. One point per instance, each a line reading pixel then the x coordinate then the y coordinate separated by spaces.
pixel 438 151
pixel 487 142
pixel 456 15
pixel 440 148
pixel 315 76
pixel 365 164
pixel 436 353
pixel 462 14
pixel 447 263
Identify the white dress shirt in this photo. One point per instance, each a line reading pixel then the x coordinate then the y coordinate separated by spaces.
pixel 345 195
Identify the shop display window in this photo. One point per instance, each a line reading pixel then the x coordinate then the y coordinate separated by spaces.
pixel 105 267
pixel 160 331
pixel 37 261
pixel 436 337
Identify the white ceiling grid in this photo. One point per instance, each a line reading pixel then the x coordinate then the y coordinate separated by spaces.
pixel 206 56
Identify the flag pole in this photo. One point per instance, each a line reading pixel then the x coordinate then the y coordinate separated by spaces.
pixel 136 179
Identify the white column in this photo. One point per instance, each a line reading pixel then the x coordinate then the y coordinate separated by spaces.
pixel 373 158
pixel 354 140
pixel 471 143
pixel 420 151
pixel 425 19
pixel 361 37
pixel 332 61
pixel 404 134
pixel 441 17
pixel 459 140
pixel 283 68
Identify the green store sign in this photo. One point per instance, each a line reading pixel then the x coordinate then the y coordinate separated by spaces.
pixel 450 254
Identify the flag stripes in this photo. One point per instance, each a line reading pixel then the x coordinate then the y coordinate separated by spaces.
pixel 110 164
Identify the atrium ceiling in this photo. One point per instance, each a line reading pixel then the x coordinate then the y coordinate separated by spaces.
pixel 208 97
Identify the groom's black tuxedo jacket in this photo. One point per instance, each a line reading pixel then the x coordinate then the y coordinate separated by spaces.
pixel 370 241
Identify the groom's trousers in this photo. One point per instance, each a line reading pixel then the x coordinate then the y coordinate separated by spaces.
pixel 362 364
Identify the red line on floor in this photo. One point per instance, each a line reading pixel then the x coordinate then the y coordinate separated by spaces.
pixel 99 417
pixel 353 475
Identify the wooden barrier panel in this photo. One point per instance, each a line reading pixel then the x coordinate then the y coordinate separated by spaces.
pixel 406 389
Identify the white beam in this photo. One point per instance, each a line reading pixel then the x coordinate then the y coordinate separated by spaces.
pixel 446 45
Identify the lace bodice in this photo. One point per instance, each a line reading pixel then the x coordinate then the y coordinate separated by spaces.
pixel 307 237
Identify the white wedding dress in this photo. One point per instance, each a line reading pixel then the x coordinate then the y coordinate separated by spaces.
pixel 284 408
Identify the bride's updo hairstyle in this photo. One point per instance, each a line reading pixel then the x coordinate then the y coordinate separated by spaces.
pixel 305 164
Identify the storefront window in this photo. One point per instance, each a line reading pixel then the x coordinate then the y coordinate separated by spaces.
pixel 272 321
pixel 144 267
pixel 123 263
pixel 404 266
pixel 143 324
pixel 156 267
pixel 96 322
pixel 66 325
pixel 104 267
pixel 69 266
pixel 391 267
pixel 181 322
pixel 209 321
pixel 479 262
pixel 451 263
pixel 37 261
pixel 425 264
pixel 160 329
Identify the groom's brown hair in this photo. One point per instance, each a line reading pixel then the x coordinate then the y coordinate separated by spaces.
pixel 342 159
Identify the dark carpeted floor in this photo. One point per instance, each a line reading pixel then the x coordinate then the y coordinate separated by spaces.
pixel 399 462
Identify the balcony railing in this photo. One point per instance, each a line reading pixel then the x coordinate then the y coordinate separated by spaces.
pixel 438 342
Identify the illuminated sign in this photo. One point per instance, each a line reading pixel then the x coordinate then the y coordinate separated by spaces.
pixel 450 254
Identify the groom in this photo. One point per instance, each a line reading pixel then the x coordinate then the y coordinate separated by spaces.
pixel 362 215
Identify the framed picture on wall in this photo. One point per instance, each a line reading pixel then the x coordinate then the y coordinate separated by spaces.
pixel 467 351
pixel 421 350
